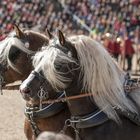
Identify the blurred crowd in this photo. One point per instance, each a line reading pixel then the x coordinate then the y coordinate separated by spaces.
pixel 101 16
pixel 119 18
pixel 115 16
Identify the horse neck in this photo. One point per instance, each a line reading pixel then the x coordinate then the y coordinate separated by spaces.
pixel 85 105
pixel 80 106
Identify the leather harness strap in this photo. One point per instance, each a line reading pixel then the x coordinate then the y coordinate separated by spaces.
pixel 47 111
pixel 65 99
pixel 97 118
pixel 91 120
pixel 36 131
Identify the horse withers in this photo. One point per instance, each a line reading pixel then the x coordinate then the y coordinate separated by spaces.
pixel 80 65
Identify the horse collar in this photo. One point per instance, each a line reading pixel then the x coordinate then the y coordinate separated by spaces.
pixel 98 118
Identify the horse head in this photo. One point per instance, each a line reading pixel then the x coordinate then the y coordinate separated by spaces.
pixel 61 58
pixel 16 51
pixel 79 65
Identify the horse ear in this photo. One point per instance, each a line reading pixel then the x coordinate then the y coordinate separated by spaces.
pixel 61 38
pixel 50 35
pixel 19 32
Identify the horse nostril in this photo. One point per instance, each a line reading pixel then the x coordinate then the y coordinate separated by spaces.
pixel 25 90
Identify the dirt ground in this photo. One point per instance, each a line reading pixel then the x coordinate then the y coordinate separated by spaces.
pixel 11 116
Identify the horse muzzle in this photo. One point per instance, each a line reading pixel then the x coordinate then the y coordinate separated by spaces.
pixel 26 92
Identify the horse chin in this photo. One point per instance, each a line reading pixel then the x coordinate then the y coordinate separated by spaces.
pixel 26 97
pixel 30 100
pixel 33 101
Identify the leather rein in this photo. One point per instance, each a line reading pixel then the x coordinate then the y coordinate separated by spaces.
pixel 65 99
pixel 127 89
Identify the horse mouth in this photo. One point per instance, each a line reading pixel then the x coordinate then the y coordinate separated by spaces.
pixel 26 97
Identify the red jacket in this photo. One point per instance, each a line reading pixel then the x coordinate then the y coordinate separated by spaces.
pixel 113 48
pixel 128 48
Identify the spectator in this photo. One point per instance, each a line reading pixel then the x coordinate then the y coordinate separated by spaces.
pixel 108 43
pixel 112 44
pixel 128 51
pixel 116 48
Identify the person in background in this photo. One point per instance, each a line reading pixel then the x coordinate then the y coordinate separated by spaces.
pixel 108 42
pixel 116 48
pixel 128 51
pixel 112 45
pixel 52 136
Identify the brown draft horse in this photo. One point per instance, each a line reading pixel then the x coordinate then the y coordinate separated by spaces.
pixel 79 65
pixel 22 61
pixel 20 69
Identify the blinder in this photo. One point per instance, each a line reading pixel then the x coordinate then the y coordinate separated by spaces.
pixel 38 75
